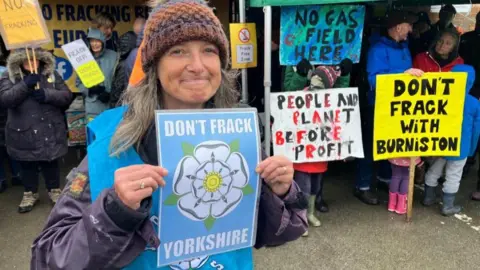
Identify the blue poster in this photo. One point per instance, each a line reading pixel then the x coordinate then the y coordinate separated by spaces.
pixel 209 204
pixel 324 35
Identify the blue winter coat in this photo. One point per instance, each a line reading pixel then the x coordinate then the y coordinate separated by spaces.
pixel 107 61
pixel 471 117
pixel 386 56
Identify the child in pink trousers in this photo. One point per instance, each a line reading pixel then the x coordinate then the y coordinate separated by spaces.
pixel 397 200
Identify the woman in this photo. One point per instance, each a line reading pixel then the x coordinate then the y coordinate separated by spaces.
pixel 443 54
pixel 36 131
pixel 105 219
pixel 97 98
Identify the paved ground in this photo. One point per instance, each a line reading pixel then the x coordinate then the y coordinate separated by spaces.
pixel 353 235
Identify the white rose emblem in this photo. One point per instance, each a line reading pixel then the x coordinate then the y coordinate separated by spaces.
pixel 210 181
pixel 190 264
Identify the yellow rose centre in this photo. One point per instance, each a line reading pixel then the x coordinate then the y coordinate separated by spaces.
pixel 212 181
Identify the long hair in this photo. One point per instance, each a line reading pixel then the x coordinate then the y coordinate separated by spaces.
pixel 146 97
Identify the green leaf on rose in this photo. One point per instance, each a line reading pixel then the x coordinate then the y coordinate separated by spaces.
pixel 209 222
pixel 172 199
pixel 187 149
pixel 247 190
pixel 235 146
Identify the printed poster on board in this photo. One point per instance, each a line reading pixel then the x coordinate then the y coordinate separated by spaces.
pixel 322 34
pixel 313 126
pixel 419 116
pixel 212 188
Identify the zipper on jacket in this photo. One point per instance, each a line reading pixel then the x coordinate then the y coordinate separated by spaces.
pixel 435 61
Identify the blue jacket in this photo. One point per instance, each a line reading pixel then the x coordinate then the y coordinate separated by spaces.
pixel 107 61
pixel 471 117
pixel 386 56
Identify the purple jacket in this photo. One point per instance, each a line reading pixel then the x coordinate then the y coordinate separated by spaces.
pixel 80 234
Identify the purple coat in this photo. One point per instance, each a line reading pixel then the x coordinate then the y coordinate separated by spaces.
pixel 80 234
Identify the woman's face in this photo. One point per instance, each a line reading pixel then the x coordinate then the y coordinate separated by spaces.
pixel 190 74
pixel 445 45
pixel 96 45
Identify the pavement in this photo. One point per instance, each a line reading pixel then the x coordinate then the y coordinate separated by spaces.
pixel 352 236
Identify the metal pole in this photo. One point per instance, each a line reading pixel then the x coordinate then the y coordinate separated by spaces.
pixel 244 100
pixel 267 81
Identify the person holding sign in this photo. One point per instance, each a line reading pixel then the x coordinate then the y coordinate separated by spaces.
pixel 454 165
pixel 108 219
pixel 97 97
pixel 389 55
pixel 36 133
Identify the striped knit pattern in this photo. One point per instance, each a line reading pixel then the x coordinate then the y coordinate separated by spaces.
pixel 179 21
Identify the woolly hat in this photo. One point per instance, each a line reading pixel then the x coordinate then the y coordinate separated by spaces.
pixel 173 22
pixel 324 77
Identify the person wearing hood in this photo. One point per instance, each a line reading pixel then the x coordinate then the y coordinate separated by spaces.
pixel 127 43
pixel 36 131
pixel 454 165
pixel 388 55
pixel 443 54
pixel 97 97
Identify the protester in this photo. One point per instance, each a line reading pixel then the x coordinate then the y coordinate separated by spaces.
pixel 128 42
pixel 36 131
pixel 97 97
pixel 442 55
pixel 138 25
pixel 389 55
pixel 454 165
pixel 397 199
pixel 446 16
pixel 423 24
pixel 106 23
pixel 113 230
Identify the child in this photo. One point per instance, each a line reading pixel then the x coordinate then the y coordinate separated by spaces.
pixel 454 165
pixel 397 199
pixel 309 175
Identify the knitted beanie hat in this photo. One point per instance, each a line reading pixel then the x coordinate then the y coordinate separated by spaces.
pixel 328 75
pixel 173 22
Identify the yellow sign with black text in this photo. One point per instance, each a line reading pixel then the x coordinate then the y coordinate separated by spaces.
pixel 22 24
pixel 243 40
pixel 418 116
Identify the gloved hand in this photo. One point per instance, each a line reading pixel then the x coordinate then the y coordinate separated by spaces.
pixel 346 66
pixel 39 95
pixel 96 90
pixel 31 80
pixel 303 67
pixel 104 97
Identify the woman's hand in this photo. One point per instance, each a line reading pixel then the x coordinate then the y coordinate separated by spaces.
pixel 277 172
pixel 137 182
pixel 415 72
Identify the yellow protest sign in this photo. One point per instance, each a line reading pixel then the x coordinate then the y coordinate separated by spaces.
pixel 83 62
pixel 22 24
pixel 243 40
pixel 418 117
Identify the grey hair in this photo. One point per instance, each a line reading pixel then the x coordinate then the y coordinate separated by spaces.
pixel 146 97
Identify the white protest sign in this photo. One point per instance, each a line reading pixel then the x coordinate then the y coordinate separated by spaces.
pixel 313 126
pixel 83 62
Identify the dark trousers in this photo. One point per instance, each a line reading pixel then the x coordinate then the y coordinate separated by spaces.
pixel 366 166
pixel 50 171
pixel 309 183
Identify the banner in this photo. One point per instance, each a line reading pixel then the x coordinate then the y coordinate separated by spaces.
pixel 211 156
pixel 22 24
pixel 312 126
pixel 243 41
pixel 70 21
pixel 324 35
pixel 418 117
pixel 83 62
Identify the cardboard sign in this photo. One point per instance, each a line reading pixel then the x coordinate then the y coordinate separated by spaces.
pixel 418 117
pixel 243 39
pixel 312 126
pixel 83 62
pixel 211 156
pixel 22 24
pixel 324 35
